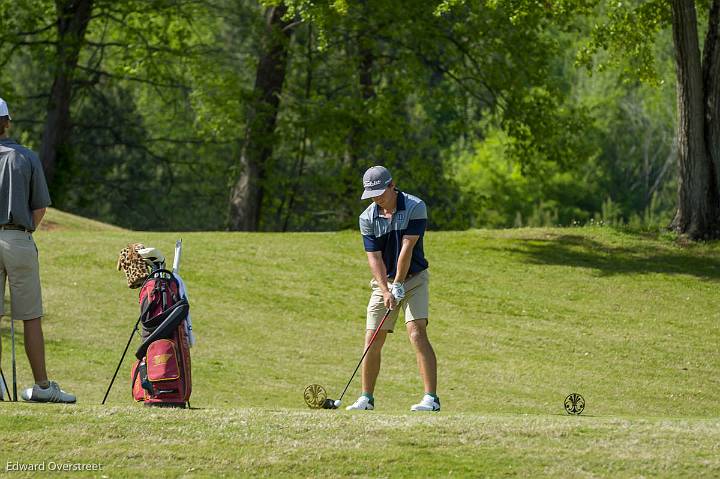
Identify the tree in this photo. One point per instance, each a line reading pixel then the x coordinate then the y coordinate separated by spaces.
pixel 189 105
pixel 72 21
pixel 632 28
pixel 246 197
pixel 115 103
pixel 698 128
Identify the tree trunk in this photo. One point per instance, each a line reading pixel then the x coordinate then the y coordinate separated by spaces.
pixel 698 200
pixel 72 22
pixel 711 83
pixel 366 59
pixel 302 152
pixel 247 194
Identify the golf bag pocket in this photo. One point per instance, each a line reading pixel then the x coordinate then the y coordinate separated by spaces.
pixel 162 362
pixel 137 389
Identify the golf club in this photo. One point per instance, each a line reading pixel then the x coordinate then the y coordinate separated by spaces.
pixel 176 259
pixel 334 404
pixel 14 370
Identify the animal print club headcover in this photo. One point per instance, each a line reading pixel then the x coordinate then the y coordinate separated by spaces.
pixel 134 266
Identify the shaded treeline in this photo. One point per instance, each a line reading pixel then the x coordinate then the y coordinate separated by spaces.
pixel 182 114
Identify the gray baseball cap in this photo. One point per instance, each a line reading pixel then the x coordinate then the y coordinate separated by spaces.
pixel 375 180
pixel 4 109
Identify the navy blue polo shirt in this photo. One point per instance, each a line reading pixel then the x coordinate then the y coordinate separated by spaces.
pixel 381 234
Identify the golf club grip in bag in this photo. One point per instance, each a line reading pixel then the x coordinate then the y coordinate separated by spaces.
pixel 161 375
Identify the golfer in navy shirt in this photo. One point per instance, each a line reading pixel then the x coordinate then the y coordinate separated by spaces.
pixel 392 228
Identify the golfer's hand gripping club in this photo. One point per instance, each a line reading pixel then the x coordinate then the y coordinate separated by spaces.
pixel 398 291
pixel 389 300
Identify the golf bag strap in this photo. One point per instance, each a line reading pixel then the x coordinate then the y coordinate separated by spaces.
pixel 144 312
pixel 175 316
pixel 150 324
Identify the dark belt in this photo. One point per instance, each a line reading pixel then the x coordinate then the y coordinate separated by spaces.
pixel 14 227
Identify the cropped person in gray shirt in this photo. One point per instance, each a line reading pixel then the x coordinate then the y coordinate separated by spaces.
pixel 24 197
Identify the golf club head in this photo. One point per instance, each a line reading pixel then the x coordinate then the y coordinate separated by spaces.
pixel 329 404
pixel 315 396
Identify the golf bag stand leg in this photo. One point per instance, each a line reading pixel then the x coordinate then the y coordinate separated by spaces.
pixel 4 385
pixel 121 359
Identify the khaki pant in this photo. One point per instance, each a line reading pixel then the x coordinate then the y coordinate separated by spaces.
pixel 20 266
pixel 415 304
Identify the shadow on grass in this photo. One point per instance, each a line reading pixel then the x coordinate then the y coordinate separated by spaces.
pixel 582 252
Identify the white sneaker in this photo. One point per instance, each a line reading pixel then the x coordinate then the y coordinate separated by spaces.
pixel 362 403
pixel 428 403
pixel 52 393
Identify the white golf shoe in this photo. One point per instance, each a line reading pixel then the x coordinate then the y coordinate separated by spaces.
pixel 428 403
pixel 363 403
pixel 52 393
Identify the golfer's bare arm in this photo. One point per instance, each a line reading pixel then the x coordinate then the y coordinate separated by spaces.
pixel 403 264
pixel 379 272
pixel 38 216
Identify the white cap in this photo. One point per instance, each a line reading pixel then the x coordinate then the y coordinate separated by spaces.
pixel 151 255
pixel 4 109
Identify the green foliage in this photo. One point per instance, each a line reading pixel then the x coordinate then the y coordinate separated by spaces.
pixel 501 195
pixel 142 135
pixel 635 123
pixel 435 78
pixel 476 107
pixel 628 33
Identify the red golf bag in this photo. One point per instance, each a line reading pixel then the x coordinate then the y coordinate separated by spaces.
pixel 161 375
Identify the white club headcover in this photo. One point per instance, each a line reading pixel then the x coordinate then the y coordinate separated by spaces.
pixel 152 255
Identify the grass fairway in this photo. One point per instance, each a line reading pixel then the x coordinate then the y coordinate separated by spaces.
pixel 519 319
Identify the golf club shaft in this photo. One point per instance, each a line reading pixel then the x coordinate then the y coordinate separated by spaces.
pixel 12 347
pixel 176 259
pixel 367 348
